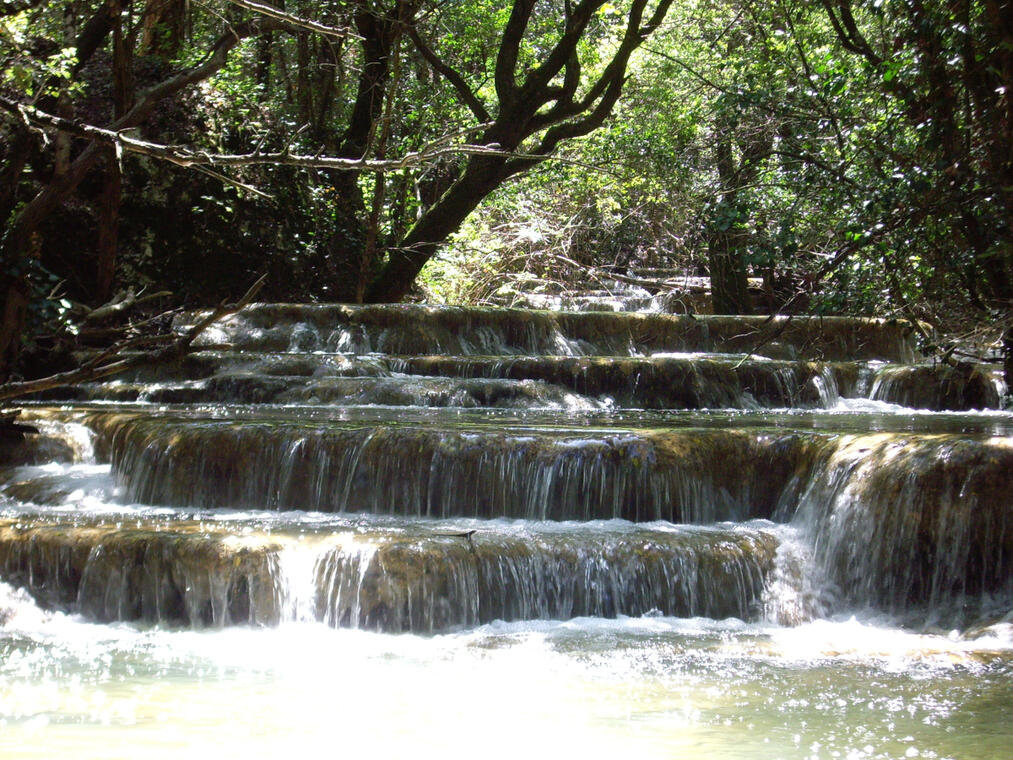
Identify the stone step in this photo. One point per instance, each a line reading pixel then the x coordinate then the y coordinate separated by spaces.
pixel 657 382
pixel 663 381
pixel 412 577
pixel 449 468
pixel 406 329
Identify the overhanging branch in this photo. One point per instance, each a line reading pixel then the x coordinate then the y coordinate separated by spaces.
pixel 190 158
pixel 295 21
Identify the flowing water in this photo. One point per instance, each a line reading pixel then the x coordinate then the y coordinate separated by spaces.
pixel 506 533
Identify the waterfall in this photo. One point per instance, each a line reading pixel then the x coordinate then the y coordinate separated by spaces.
pixel 901 522
pixel 410 468
pixel 392 526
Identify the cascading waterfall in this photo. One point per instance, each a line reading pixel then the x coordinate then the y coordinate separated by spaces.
pixel 901 522
pixel 434 584
pixel 682 476
pixel 728 530
pixel 415 578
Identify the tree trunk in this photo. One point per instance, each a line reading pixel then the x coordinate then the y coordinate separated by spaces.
pixel 729 285
pixel 349 254
pixel 725 238
pixel 13 159
pixel 18 242
pixel 163 27
pixel 108 231
pixel 1007 358
pixel 404 262
pixel 346 248
pixel 15 291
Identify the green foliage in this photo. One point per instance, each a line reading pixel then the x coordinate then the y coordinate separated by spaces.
pixel 23 70
pixel 863 174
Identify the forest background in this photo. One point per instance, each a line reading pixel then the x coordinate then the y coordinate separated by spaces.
pixel 857 156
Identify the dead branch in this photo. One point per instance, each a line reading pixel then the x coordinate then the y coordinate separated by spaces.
pixel 190 158
pixel 203 161
pixel 298 22
pixel 120 304
pixel 104 364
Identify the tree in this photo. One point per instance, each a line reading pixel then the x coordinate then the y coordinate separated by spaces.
pixel 948 68
pixel 542 72
pixel 51 83
pixel 536 101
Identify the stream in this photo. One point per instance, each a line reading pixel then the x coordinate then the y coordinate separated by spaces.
pixel 506 532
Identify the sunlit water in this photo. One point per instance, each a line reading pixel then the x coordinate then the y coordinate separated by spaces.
pixel 645 687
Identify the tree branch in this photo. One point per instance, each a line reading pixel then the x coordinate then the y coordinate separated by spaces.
pixel 99 366
pixel 847 30
pixel 510 43
pixel 14 7
pixel 562 54
pixel 469 98
pixel 607 88
pixel 95 32
pixel 297 22
pixel 189 158
pixel 49 197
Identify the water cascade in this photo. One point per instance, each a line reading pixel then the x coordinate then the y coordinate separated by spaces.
pixel 666 533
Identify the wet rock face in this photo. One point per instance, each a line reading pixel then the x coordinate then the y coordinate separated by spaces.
pixel 199 575
pixel 107 573
pixel 660 382
pixel 407 355
pixel 419 585
pixel 34 450
pixel 905 522
pixel 939 387
pixel 899 521
pixel 543 382
pixel 39 442
pixel 689 475
pixel 419 330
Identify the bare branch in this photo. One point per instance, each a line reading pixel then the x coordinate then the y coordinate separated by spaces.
pixel 100 367
pixel 121 304
pixel 212 63
pixel 222 310
pixel 598 101
pixel 202 160
pixel 295 21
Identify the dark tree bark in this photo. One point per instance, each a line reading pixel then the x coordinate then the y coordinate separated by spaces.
pixel 729 278
pixel 108 229
pixel 727 239
pixel 424 239
pixel 348 267
pixel 163 27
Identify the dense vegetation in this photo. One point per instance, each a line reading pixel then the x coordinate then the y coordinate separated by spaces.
pixel 858 156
